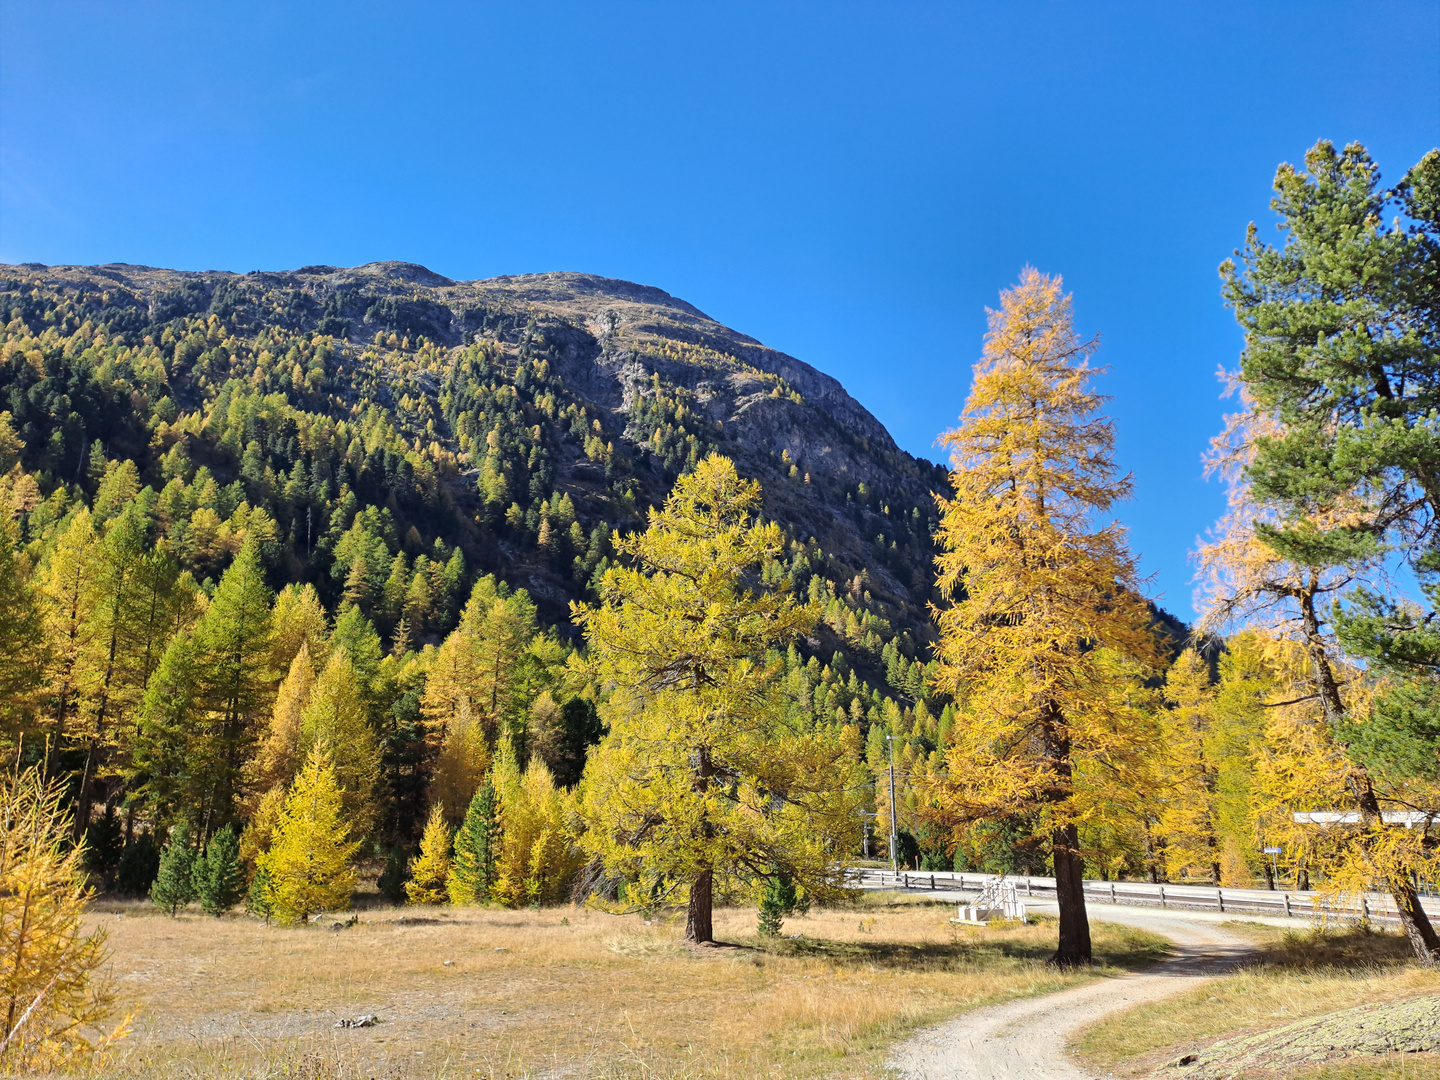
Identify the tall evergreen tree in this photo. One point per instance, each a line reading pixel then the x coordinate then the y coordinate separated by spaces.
pixel 174 884
pixel 1338 456
pixel 473 865
pixel 219 879
pixel 203 712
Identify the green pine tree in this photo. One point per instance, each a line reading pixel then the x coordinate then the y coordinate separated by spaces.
pixel 219 882
pixel 174 884
pixel 472 867
pixel 391 883
pixel 777 901
pixel 259 901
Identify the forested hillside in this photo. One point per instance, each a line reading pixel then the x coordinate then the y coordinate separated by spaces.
pixel 214 474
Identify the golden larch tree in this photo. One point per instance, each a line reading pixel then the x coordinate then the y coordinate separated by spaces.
pixel 1041 586
pixel 51 988
pixel 310 852
pixel 430 869
pixel 701 774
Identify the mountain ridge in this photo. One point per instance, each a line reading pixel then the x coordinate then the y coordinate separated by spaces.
pixel 529 417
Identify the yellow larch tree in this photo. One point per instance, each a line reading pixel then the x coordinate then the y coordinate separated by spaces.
pixel 701 773
pixel 1187 817
pixel 430 869
pixel 310 851
pixel 460 766
pixel 334 717
pixel 280 754
pixel 535 857
pixel 300 620
pixel 51 988
pixel 1042 589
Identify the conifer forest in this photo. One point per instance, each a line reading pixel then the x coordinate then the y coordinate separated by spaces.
pixel 339 590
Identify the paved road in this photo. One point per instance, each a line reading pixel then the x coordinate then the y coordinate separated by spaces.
pixel 1025 1040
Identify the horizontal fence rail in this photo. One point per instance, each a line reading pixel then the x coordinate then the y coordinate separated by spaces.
pixel 1377 907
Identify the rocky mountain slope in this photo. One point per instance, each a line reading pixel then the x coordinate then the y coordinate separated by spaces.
pixel 519 420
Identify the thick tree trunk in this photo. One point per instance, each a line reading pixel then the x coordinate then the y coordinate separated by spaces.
pixel 1413 919
pixel 1073 949
pixel 699 924
pixel 1074 945
pixel 1415 922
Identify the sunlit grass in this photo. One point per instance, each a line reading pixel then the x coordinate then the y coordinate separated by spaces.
pixel 566 991
pixel 1298 974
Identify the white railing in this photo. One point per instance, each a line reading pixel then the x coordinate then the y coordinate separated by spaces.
pixel 1379 907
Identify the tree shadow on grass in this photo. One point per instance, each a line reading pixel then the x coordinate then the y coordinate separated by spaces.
pixel 968 951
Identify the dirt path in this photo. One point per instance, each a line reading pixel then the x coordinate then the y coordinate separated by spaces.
pixel 1025 1040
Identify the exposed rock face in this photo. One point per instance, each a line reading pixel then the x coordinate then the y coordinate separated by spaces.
pixel 831 472
pixel 612 339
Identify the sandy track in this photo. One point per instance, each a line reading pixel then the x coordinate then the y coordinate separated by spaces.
pixel 1025 1040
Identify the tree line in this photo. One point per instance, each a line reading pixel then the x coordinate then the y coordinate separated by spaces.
pixel 683 744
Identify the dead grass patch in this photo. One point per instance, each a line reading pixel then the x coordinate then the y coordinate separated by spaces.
pixel 1298 974
pixel 563 992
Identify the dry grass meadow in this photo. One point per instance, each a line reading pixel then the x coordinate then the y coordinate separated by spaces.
pixel 1298 974
pixel 562 992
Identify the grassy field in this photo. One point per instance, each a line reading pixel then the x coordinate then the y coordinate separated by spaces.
pixel 1297 975
pixel 563 992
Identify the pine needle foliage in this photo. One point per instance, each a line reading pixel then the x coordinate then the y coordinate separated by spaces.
pixel 1047 610
pixel 473 867
pixel 174 884
pixel 50 986
pixel 309 858
pixel 219 879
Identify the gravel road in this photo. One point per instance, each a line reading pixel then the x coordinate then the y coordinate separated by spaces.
pixel 1025 1040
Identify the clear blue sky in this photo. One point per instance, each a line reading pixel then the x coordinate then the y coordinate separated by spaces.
pixel 850 183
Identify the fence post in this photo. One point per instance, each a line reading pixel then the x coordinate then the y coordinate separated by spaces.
pixel 1287 905
pixel 932 882
pixel 1162 895
pixel 1027 888
pixel 1112 892
pixel 1220 899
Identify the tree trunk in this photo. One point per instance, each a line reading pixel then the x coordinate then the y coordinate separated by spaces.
pixel 1074 945
pixel 1413 919
pixel 699 925
pixel 1073 949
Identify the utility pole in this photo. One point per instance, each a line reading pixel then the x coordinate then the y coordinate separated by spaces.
pixel 894 835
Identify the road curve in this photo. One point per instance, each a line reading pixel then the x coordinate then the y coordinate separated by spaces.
pixel 1025 1040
